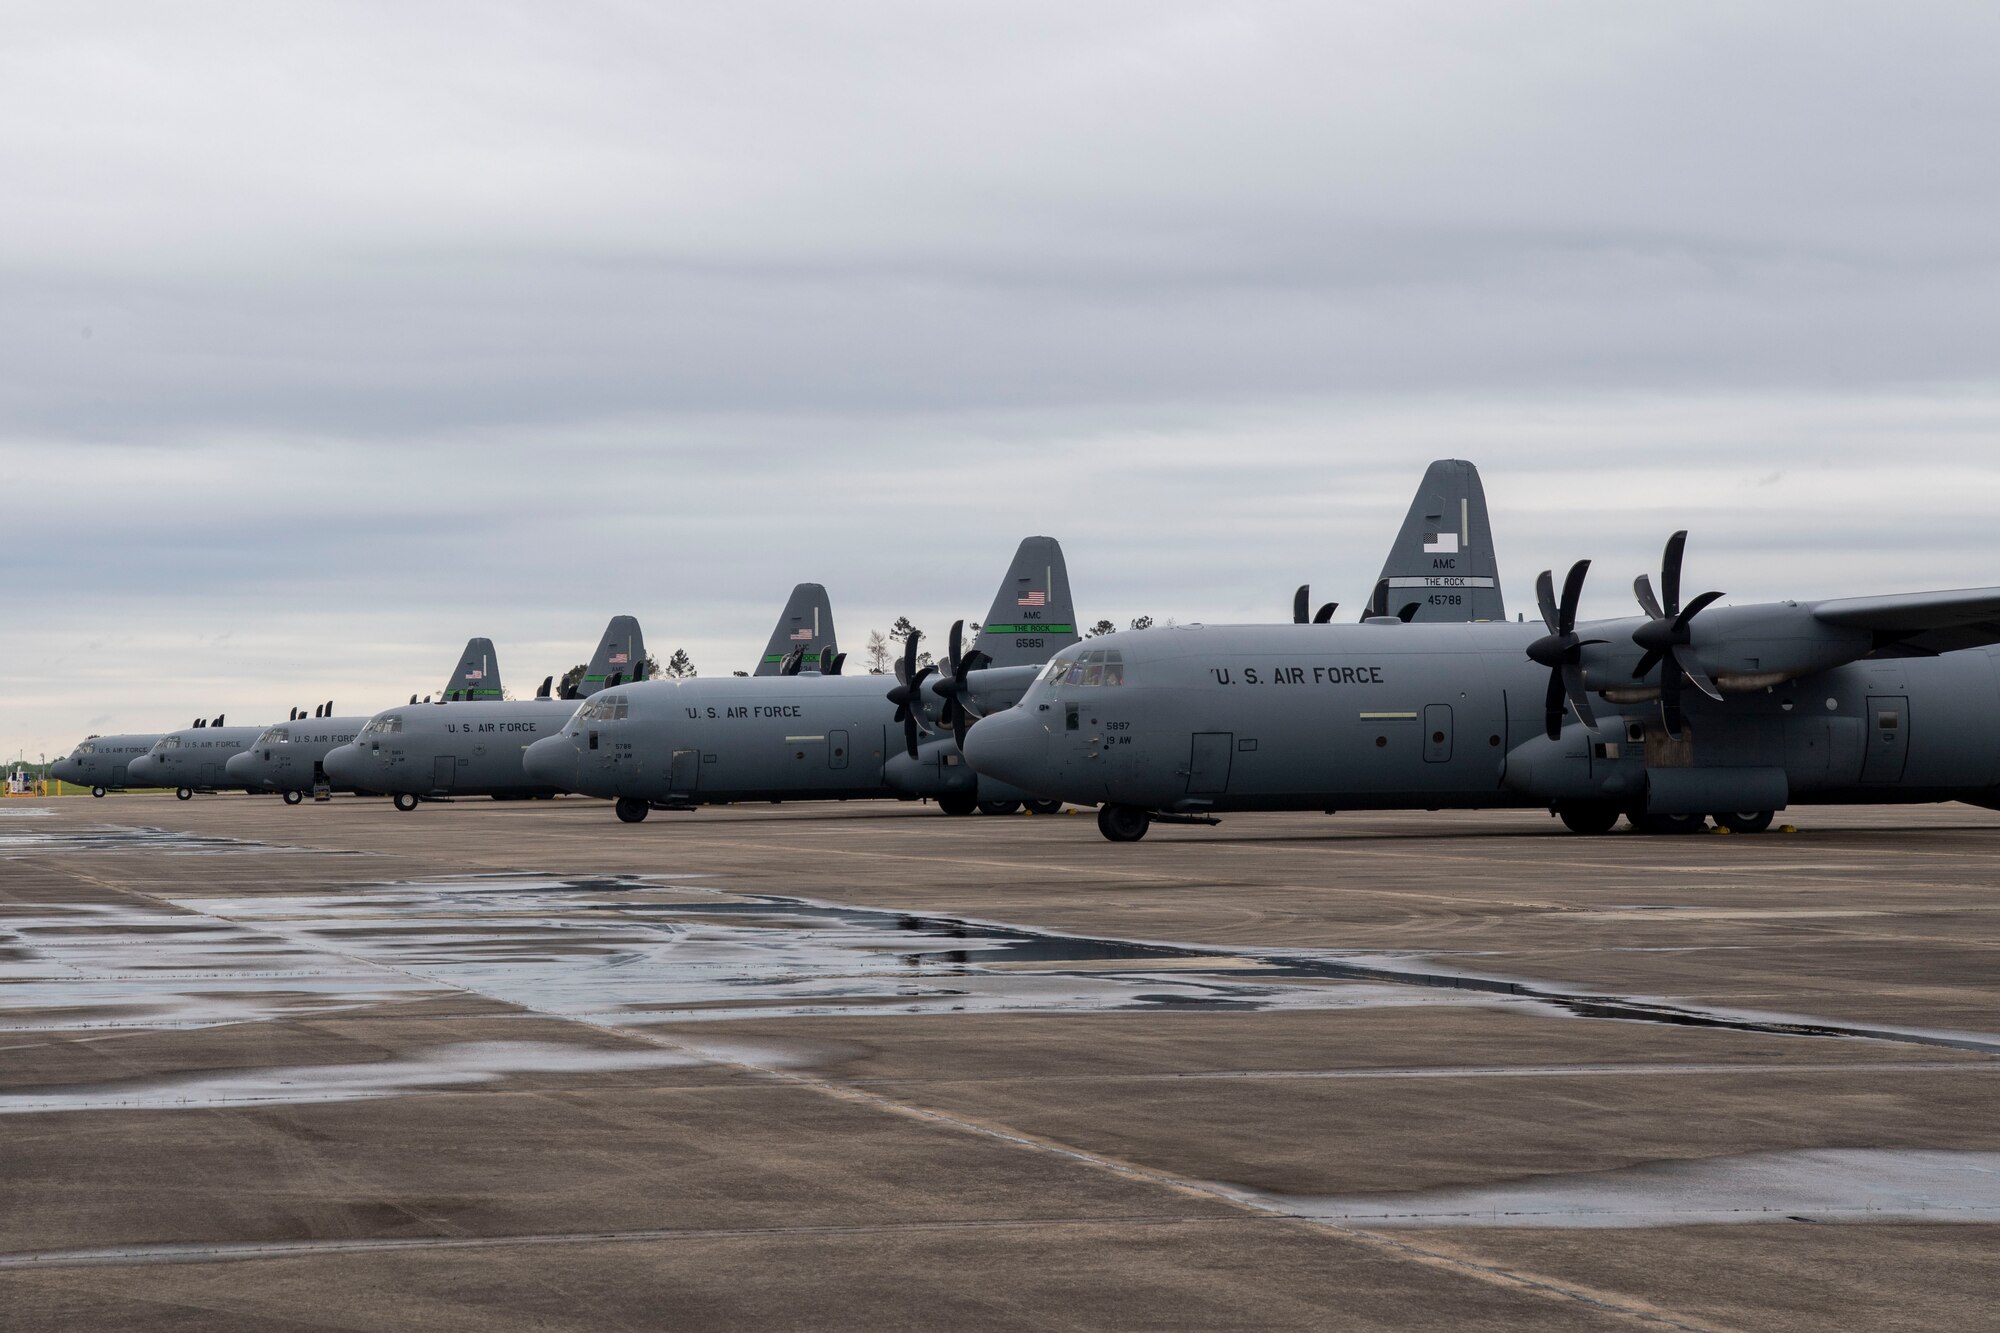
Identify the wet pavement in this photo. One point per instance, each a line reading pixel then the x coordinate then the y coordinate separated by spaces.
pixel 772 1067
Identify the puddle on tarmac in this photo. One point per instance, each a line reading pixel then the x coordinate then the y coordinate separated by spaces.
pixel 28 811
pixel 1814 1185
pixel 137 840
pixel 454 1066
pixel 630 950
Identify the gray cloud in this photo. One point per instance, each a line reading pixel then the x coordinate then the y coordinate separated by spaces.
pixel 331 335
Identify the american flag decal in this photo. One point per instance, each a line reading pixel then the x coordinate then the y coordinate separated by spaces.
pixel 801 635
pixel 475 674
pixel 1032 598
pixel 620 659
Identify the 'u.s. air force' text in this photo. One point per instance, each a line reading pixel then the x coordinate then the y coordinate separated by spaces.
pixel 1297 675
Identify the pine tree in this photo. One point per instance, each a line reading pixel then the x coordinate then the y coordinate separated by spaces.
pixel 680 666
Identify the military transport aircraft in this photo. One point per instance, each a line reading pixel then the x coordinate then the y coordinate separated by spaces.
pixel 100 762
pixel 1668 718
pixel 290 757
pixel 675 744
pixel 193 758
pixel 472 747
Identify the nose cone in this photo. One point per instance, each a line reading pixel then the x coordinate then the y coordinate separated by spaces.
pixel 1013 748
pixel 65 770
pixel 343 765
pixel 552 761
pixel 244 768
pixel 141 771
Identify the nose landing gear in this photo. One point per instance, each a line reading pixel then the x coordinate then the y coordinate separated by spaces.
pixel 405 802
pixel 1123 823
pixel 631 809
pixel 97 792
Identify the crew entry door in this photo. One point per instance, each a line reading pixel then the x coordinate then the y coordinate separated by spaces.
pixel 444 774
pixel 1208 766
pixel 685 775
pixel 1888 723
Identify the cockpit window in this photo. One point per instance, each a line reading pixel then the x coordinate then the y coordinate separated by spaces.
pixel 1098 666
pixel 84 749
pixel 167 743
pixel 604 708
pixel 382 726
pixel 275 736
pixel 1058 668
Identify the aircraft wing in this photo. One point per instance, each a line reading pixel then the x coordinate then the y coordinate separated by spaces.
pixel 1925 622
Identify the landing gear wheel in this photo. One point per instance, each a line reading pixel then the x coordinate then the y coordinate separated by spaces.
pixel 1044 807
pixel 1645 823
pixel 184 793
pixel 405 802
pixel 98 792
pixel 294 797
pixel 1123 823
pixel 631 809
pixel 999 807
pixel 1588 816
pixel 958 803
pixel 1746 821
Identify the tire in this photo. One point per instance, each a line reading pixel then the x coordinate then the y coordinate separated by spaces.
pixel 184 793
pixel 405 802
pixel 1745 821
pixel 1123 823
pixel 1045 807
pixel 1660 824
pixel 1588 817
pixel 632 810
pixel 999 807
pixel 294 797
pixel 958 803
pixel 97 792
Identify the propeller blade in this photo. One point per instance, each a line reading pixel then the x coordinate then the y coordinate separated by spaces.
pixel 1408 612
pixel 910 654
pixel 839 661
pixel 1552 706
pixel 1670 571
pixel 954 644
pixel 826 660
pixel 910 732
pixel 1685 659
pixel 1325 613
pixel 1670 702
pixel 1545 597
pixel 1646 664
pixel 1579 698
pixel 329 709
pixel 1572 593
pixel 1693 609
pixel 1642 588
pixel 548 683
pixel 1302 604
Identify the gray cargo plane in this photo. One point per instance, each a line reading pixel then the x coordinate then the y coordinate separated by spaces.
pixel 290 757
pixel 193 758
pixel 100 762
pixel 670 744
pixel 472 747
pixel 1669 718
pixel 804 634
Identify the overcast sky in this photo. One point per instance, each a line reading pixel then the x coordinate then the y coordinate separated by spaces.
pixel 333 334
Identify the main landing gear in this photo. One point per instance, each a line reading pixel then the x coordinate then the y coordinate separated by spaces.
pixel 999 807
pixel 1123 823
pixel 958 803
pixel 1588 816
pixel 97 792
pixel 294 797
pixel 184 793
pixel 1045 807
pixel 405 802
pixel 631 809
pixel 1745 821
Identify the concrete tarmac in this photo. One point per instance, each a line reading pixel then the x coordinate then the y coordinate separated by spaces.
pixel 520 1066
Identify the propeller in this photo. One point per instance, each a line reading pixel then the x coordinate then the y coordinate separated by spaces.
pixel 639 671
pixel 1408 611
pixel 1666 635
pixel 548 683
pixel 1561 651
pixel 826 660
pixel 218 720
pixel 905 694
pixel 1302 605
pixel 794 660
pixel 957 713
pixel 199 723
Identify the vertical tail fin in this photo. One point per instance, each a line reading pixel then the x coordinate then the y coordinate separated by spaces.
pixel 806 626
pixel 1032 615
pixel 1443 560
pixel 477 675
pixel 622 648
